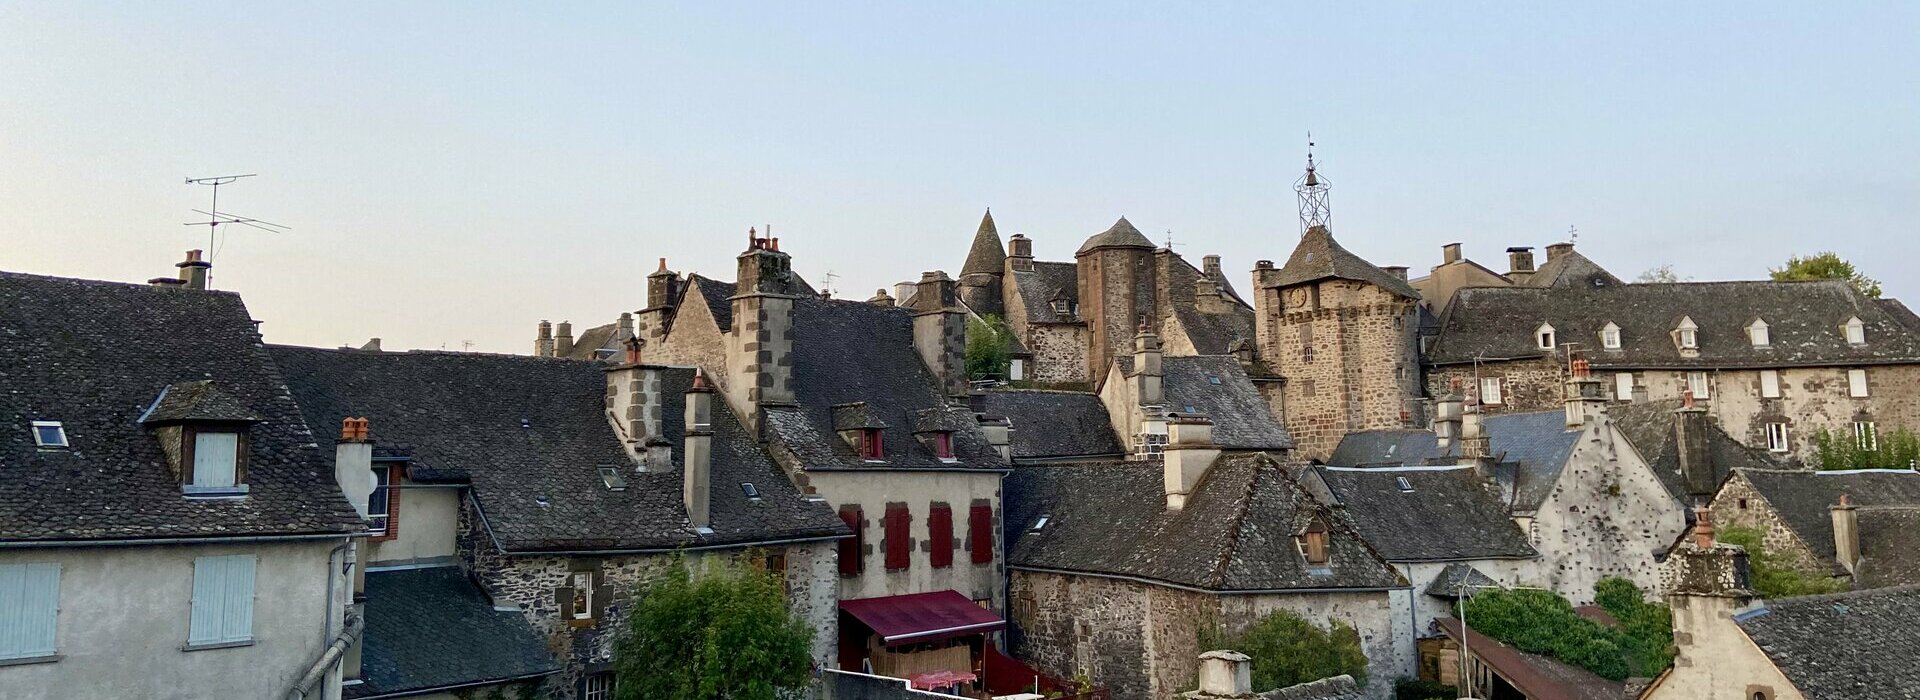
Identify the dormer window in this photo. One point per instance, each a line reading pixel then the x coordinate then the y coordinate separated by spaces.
pixel 379 505
pixel 1856 331
pixel 48 433
pixel 1543 337
pixel 1687 335
pixel 1610 337
pixel 1061 307
pixel 216 462
pixel 203 431
pixel 872 444
pixel 1757 334
pixel 942 444
pixel 1312 543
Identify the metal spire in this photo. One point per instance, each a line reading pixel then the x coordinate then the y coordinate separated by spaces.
pixel 1312 190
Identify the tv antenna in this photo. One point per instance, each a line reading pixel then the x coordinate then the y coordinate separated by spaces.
pixel 215 217
pixel 826 282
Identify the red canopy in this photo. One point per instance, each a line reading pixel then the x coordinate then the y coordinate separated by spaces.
pixel 922 617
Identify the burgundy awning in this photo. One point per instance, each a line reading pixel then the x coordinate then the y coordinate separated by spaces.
pixel 922 617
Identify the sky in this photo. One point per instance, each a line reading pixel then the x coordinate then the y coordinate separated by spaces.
pixel 455 172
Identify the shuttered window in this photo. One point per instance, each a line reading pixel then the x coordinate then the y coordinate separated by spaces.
pixel 1623 386
pixel 222 600
pixel 1769 384
pixel 1856 383
pixel 215 459
pixel 29 609
pixel 899 553
pixel 850 547
pixel 940 535
pixel 980 532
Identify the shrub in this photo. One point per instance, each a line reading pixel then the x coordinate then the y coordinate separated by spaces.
pixel 988 356
pixel 1772 575
pixel 1541 622
pixel 1895 449
pixel 1288 650
pixel 725 634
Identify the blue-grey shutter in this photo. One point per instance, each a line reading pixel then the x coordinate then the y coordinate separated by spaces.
pixel 237 622
pixel 222 600
pixel 29 609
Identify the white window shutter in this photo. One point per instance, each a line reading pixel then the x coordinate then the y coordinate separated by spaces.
pixel 1769 384
pixel 214 457
pixel 1856 382
pixel 29 610
pixel 237 618
pixel 1623 386
pixel 222 600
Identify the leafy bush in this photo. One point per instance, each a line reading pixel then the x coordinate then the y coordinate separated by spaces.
pixel 1826 266
pixel 1772 575
pixel 1896 449
pixel 1541 622
pixel 1288 650
pixel 725 634
pixel 988 356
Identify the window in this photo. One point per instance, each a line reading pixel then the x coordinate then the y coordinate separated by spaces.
pixel 597 686
pixel 1743 504
pixel 1623 386
pixel 898 544
pixel 1697 383
pixel 1856 332
pixel 1041 524
pixel 222 601
pixel 1610 337
pixel 1490 391
pixel 1405 486
pixel 1306 343
pixel 1313 543
pixel 29 610
pixel 1857 383
pixel 1060 306
pixel 1769 384
pixel 216 461
pixel 1687 334
pixel 377 512
pixel 1543 337
pixel 581 586
pixel 850 564
pixel 872 444
pixel 1777 437
pixel 47 433
pixel 943 446
pixel 980 532
pixel 1758 334
pixel 1213 379
pixel 940 535
pixel 1866 434
pixel 612 477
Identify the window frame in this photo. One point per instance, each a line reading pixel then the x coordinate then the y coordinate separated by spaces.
pixel 1623 392
pixel 1760 335
pixel 1315 544
pixel 1866 434
pixel 1778 439
pixel 852 563
pixel 942 444
pixel 1770 384
pixel 896 537
pixel 228 568
pixel 940 535
pixel 1855 331
pixel 980 532
pixel 1610 337
pixel 605 681
pixel 873 444
pixel 382 475
pixel 41 605
pixel 582 606
pixel 1544 337
pixel 59 430
pixel 189 460
pixel 1496 397
pixel 1857 384
pixel 1703 392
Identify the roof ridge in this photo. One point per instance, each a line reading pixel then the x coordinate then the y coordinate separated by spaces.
pixel 88 281
pixel 424 352
pixel 1846 595
pixel 1217 578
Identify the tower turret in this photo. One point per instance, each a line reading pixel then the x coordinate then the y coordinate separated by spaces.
pixel 980 277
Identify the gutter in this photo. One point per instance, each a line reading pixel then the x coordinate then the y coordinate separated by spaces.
pixel 1169 584
pixel 247 539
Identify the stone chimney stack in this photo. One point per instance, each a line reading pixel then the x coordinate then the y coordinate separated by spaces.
pixel 1020 253
pixel 634 407
pixel 1189 453
pixel 1707 584
pixel 1398 271
pixel 881 298
pixel 193 271
pixel 1846 532
pixel 543 342
pixel 1447 416
pixel 1586 397
pixel 1475 446
pixel 1210 265
pixel 760 343
pixel 1449 253
pixel 1696 458
pixel 1148 376
pixel 625 326
pixel 663 297
pixel 1704 567
pixel 940 331
pixel 697 482
pixel 563 339
pixel 903 292
pixel 1225 674
pixel 1557 250
pixel 1519 263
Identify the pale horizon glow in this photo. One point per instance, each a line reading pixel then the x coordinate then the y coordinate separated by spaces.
pixel 454 174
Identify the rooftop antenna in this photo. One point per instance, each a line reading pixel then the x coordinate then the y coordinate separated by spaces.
pixel 1312 190
pixel 1170 243
pixel 215 217
pixel 1573 234
pixel 826 283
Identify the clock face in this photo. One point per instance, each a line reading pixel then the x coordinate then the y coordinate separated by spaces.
pixel 1297 297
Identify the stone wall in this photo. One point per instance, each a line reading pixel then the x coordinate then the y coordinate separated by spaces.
pixel 1738 504
pixel 1347 352
pixel 1533 384
pixel 1116 290
pixel 1059 352
pixel 695 341
pixel 1608 515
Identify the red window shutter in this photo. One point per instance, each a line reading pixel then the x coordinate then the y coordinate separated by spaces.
pixel 898 555
pixel 850 547
pixel 943 445
pixel 980 529
pixel 940 535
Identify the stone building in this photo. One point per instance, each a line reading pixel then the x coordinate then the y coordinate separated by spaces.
pixel 1145 389
pixel 169 526
pixel 551 488
pixel 1862 525
pixel 1688 450
pixel 1564 267
pixel 1773 362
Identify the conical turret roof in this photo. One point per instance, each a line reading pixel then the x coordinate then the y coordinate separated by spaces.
pixel 986 256
pixel 1121 235
pixel 1320 257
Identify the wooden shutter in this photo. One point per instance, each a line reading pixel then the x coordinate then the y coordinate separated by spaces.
pixel 29 609
pixel 899 554
pixel 850 547
pixel 980 532
pixel 222 600
pixel 940 535
pixel 214 459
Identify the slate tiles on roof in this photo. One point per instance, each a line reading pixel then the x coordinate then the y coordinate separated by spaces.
pixel 1047 282
pixel 1319 256
pixel 1851 646
pixel 1457 578
pixel 1889 547
pixel 95 356
pixel 985 255
pixel 1570 269
pixel 433 628
pixel 1802 498
pixel 592 340
pixel 1529 451
pixel 1236 532
pixel 530 435
pixel 1804 319
pixel 1341 687
pixel 717 295
pixel 1649 427
pixel 1242 420
pixel 198 400
pixel 1121 234
pixel 1055 423
pixel 1441 515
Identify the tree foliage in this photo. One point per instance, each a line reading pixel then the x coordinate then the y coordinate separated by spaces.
pixel 1897 449
pixel 1541 622
pixel 723 635
pixel 1826 266
pixel 1663 273
pixel 988 354
pixel 1288 650
pixel 1772 575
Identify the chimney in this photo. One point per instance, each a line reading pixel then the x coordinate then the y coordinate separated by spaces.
pixel 1449 253
pixel 1846 532
pixel 940 331
pixel 1398 271
pixel 1586 398
pixel 1696 458
pixel 697 483
pixel 543 343
pixel 1555 251
pixel 353 462
pixel 1190 452
pixel 193 272
pixel 1519 260
pixel 1446 420
pixel 999 436
pixel 881 298
pixel 1474 443
pixel 1210 264
pixel 634 407
pixel 563 339
pixel 1704 567
pixel 903 292
pixel 663 297
pixel 1207 298
pixel 372 345
pixel 625 326
pixel 760 343
pixel 1020 253
pixel 1147 374
pixel 1225 674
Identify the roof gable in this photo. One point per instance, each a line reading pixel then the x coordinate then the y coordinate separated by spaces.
pixel 1121 235
pixel 1319 256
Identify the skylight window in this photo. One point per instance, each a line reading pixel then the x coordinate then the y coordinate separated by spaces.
pixel 1042 522
pixel 1213 379
pixel 1405 486
pixel 1189 408
pixel 612 477
pixel 48 433
pixel 750 490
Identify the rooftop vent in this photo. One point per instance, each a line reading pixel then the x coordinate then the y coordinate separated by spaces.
pixel 48 433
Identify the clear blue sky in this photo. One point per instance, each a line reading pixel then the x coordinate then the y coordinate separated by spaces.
pixel 456 174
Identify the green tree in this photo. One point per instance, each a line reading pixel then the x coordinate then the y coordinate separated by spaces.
pixel 1288 650
pixel 1663 273
pixel 1897 449
pixel 988 354
pixel 1772 575
pixel 1541 622
pixel 723 635
pixel 1826 266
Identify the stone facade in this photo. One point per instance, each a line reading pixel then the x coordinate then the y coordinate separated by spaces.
pixel 1739 504
pixel 959 490
pixel 1346 350
pixel 1058 349
pixel 1536 384
pixel 1608 514
pixel 1142 640
pixel 1714 659
pixel 1116 292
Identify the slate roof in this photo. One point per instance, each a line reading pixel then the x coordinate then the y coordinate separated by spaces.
pixel 1211 333
pixel 1534 675
pixel 1319 257
pixel 1570 269
pixel 1804 322
pixel 1121 235
pixel 1448 515
pixel 1801 498
pixel 1649 426
pixel 1889 547
pixel 1457 577
pixel 1234 535
pixel 1242 420
pixel 1845 646
pixel 530 434
pixel 1049 281
pixel 1341 687
pixel 433 628
pixel 95 356
pixel 198 400
pixel 847 352
pixel 590 341
pixel 717 295
pixel 1529 450
pixel 986 255
pixel 1050 424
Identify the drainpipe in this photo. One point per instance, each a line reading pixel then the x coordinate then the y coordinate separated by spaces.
pixel 340 641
